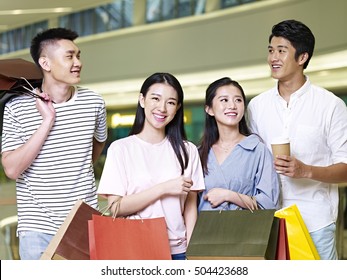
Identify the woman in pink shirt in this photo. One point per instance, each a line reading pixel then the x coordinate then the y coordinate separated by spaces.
pixel 155 170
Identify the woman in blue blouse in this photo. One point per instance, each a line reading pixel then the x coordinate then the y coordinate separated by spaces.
pixel 238 167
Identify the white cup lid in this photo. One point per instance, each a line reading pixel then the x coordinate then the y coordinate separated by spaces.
pixel 280 140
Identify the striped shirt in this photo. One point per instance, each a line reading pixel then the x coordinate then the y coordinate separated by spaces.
pixel 63 170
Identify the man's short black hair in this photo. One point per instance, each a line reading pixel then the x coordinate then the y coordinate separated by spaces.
pixel 47 37
pixel 298 34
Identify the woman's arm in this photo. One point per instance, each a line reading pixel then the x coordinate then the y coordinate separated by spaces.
pixel 190 213
pixel 217 196
pixel 134 203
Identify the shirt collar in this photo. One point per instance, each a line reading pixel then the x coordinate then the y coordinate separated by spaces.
pixel 250 142
pixel 297 94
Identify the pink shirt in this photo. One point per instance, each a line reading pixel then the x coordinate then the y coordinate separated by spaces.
pixel 133 165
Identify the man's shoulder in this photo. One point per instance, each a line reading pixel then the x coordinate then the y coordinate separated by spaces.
pixel 323 92
pixel 325 96
pixel 88 93
pixel 262 97
pixel 20 100
pixel 82 89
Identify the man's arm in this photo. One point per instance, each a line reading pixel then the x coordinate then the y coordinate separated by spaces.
pixel 292 167
pixel 97 149
pixel 335 173
pixel 17 161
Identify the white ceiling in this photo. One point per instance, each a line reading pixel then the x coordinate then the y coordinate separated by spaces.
pixel 16 13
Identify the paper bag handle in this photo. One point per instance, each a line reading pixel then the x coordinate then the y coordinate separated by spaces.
pixel 254 205
pixel 108 207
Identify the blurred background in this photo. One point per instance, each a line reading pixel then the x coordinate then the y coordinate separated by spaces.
pixel 124 41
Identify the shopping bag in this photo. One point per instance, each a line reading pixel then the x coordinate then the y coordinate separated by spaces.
pixel 301 246
pixel 71 240
pixel 235 234
pixel 128 239
pixel 282 243
pixel 12 72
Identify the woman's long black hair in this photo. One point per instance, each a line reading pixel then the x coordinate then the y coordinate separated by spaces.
pixel 211 134
pixel 174 130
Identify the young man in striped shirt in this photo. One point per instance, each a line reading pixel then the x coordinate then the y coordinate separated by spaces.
pixel 49 144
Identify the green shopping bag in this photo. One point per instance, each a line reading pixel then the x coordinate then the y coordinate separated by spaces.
pixel 235 234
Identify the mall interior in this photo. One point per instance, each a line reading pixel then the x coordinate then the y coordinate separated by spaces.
pixel 124 41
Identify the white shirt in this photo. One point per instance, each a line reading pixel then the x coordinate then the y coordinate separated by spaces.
pixel 315 121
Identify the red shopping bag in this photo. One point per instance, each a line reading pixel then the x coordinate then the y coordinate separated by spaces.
pixel 128 239
pixel 282 252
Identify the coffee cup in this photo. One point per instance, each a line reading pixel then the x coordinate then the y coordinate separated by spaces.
pixel 280 146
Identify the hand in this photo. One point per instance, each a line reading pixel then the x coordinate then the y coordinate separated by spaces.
pixel 45 108
pixel 216 196
pixel 177 186
pixel 291 167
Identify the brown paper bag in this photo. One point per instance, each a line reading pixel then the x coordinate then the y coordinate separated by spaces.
pixel 71 240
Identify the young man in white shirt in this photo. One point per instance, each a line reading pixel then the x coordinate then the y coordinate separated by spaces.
pixel 315 121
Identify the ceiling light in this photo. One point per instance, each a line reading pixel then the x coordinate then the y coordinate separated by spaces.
pixel 36 11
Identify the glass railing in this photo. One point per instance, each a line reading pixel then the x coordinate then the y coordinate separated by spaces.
pixel 20 38
pixel 161 10
pixel 108 17
pixel 112 16
pixel 9 242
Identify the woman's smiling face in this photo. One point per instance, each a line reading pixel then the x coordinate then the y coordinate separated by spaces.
pixel 228 106
pixel 160 105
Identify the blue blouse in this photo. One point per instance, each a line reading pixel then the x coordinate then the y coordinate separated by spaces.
pixel 249 170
